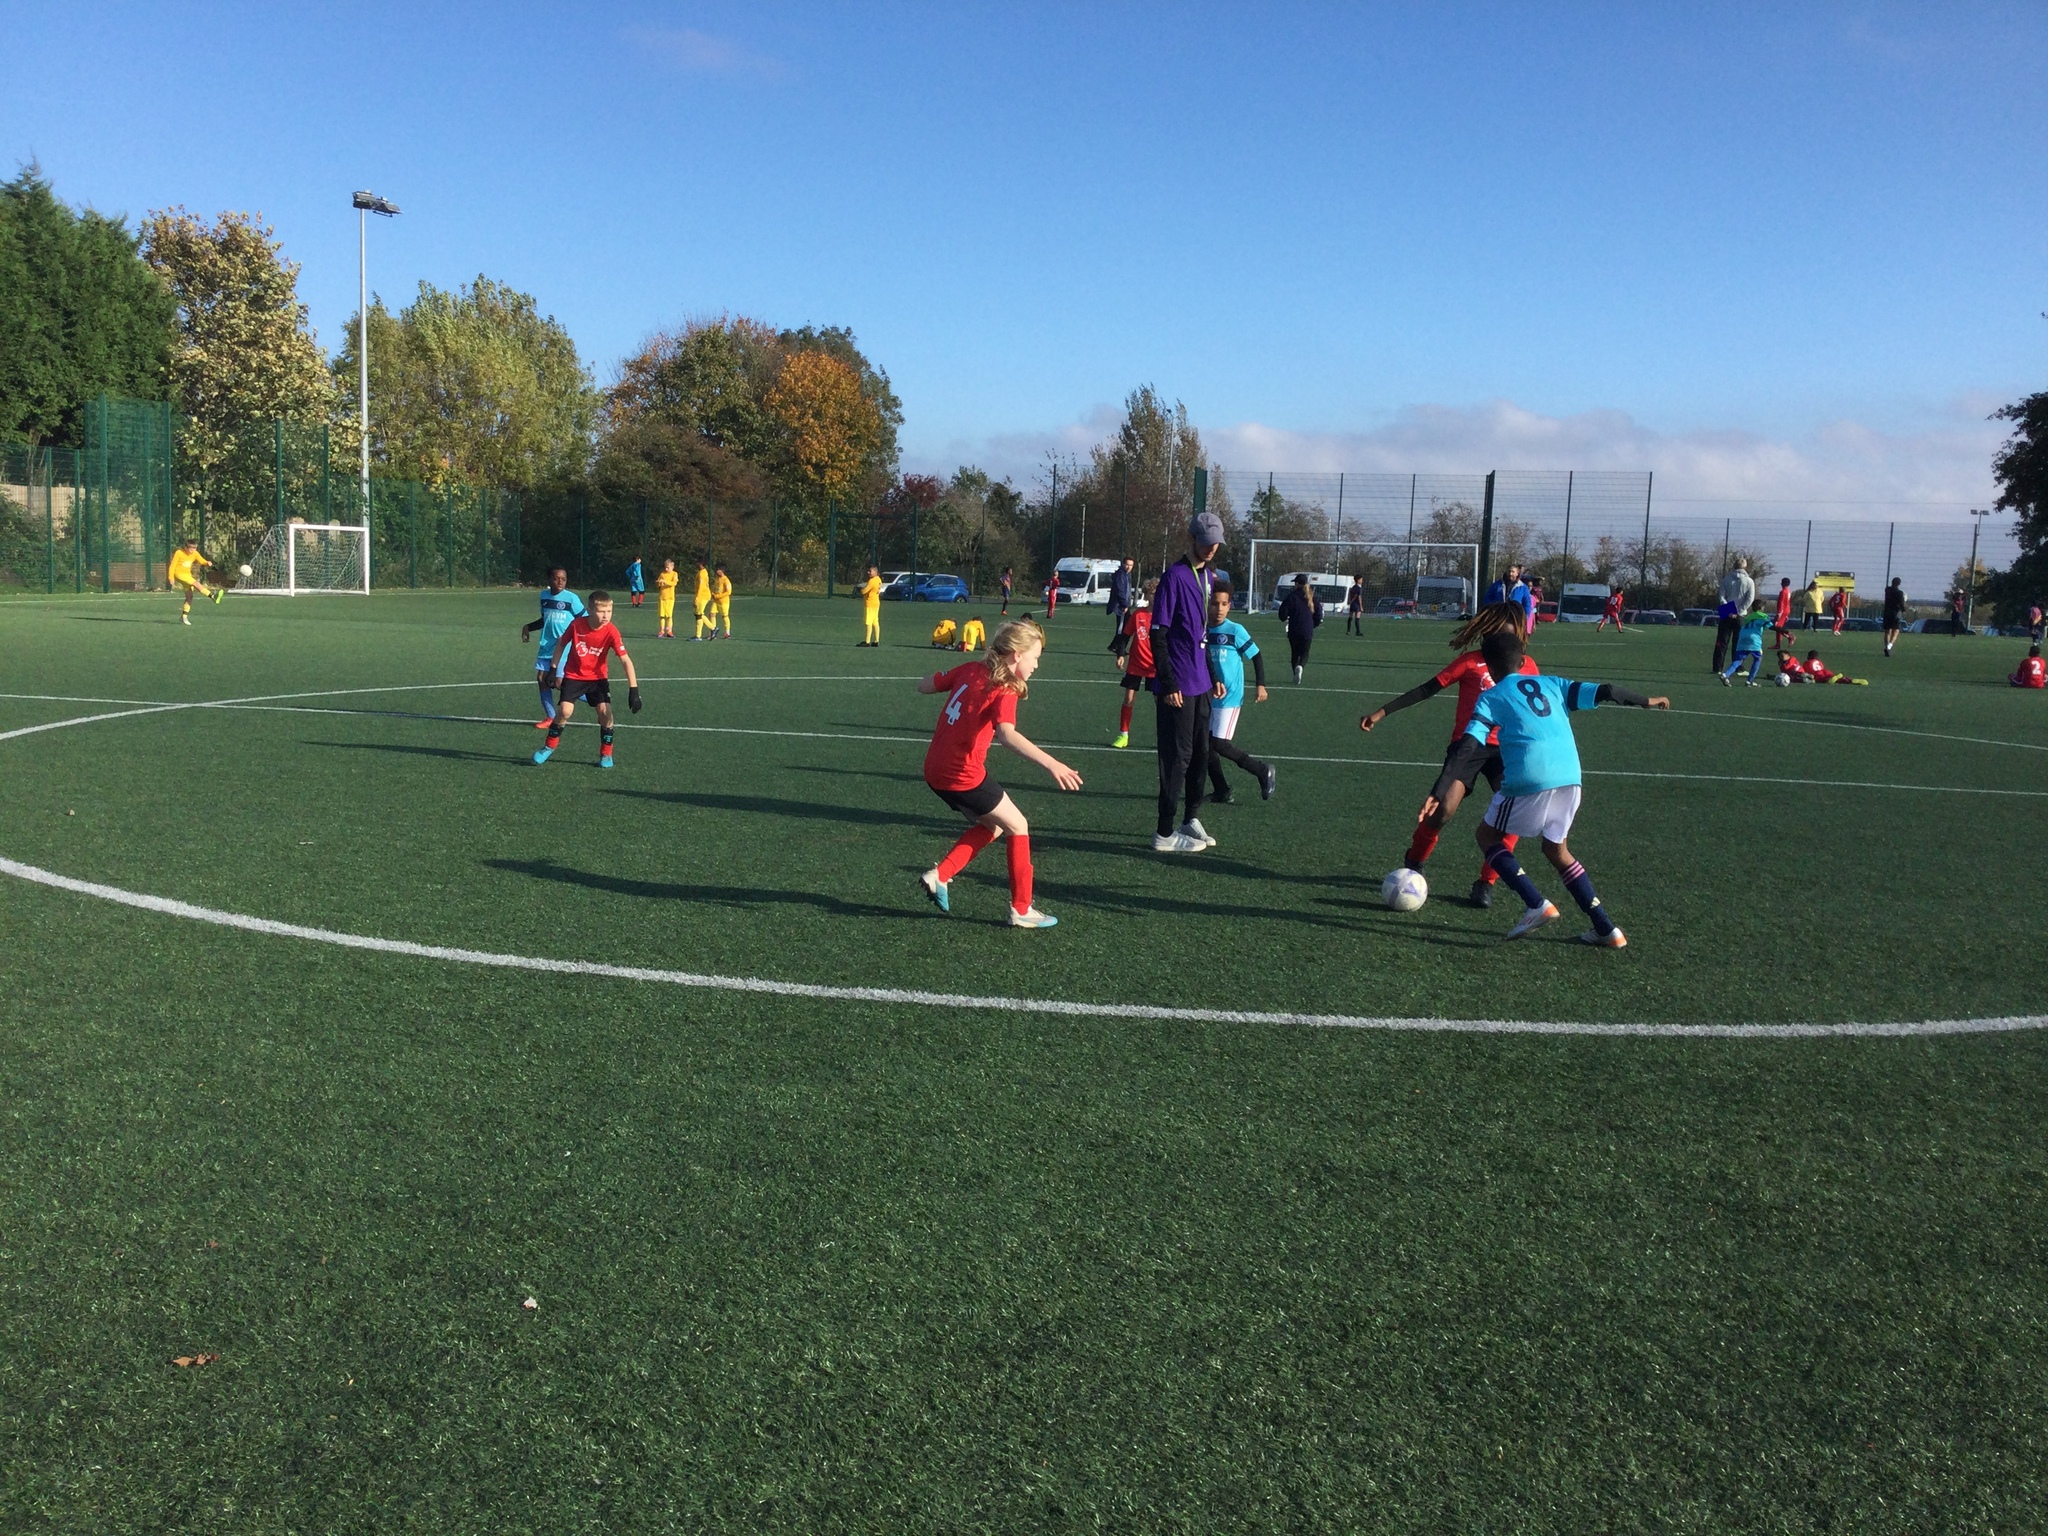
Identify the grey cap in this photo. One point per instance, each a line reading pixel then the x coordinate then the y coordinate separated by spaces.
pixel 1205 529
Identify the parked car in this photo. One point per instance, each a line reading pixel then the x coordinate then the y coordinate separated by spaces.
pixel 1399 607
pixel 1944 625
pixel 1546 613
pixel 940 589
pixel 895 586
pixel 1649 616
pixel 1699 616
pixel 1863 626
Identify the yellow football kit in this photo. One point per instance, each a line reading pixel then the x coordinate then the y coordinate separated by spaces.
pixel 703 598
pixel 721 603
pixel 871 596
pixel 972 635
pixel 665 584
pixel 943 632
pixel 184 567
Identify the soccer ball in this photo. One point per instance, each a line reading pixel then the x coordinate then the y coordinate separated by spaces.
pixel 1784 679
pixel 1404 890
pixel 248 570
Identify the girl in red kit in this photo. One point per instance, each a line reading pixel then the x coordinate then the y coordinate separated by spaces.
pixel 981 705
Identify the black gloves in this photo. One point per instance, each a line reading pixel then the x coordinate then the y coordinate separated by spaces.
pixel 633 700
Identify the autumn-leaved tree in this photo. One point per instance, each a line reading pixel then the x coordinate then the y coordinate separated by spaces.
pixel 831 427
pixel 243 358
pixel 2021 469
pixel 473 387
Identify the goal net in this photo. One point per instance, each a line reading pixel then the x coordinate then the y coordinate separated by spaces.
pixel 300 558
pixel 1429 580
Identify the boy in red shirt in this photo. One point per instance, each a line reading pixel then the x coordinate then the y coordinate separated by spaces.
pixel 1784 616
pixel 2033 672
pixel 1789 665
pixel 981 705
pixel 1133 647
pixel 1817 672
pixel 588 644
pixel 1611 614
pixel 1467 759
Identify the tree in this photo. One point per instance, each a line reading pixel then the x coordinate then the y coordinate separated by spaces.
pixel 243 357
pixel 80 313
pixel 832 429
pixel 474 387
pixel 1143 477
pixel 2021 469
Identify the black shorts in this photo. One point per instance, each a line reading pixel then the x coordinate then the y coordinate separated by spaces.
pixel 1136 684
pixel 594 690
pixel 972 803
pixel 1465 763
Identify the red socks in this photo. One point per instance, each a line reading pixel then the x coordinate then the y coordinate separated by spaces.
pixel 1123 723
pixel 972 841
pixel 1020 873
pixel 1487 874
pixel 1421 845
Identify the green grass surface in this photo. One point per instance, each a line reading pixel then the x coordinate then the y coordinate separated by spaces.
pixel 829 1266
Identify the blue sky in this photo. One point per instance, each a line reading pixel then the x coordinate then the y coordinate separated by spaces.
pixel 1777 251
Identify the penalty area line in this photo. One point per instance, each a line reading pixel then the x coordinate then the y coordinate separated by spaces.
pixel 1062 1007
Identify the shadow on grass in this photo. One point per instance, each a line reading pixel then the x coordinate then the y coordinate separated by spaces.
pixel 745 896
pixel 457 754
pixel 801 810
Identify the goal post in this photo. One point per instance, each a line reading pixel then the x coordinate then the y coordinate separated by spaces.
pixel 302 559
pixel 1432 580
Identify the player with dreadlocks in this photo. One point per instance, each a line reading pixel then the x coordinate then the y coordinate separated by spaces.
pixel 1468 759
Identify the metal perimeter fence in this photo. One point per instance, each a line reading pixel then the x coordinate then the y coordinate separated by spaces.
pixel 1611 527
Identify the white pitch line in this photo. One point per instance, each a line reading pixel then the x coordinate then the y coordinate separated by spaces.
pixel 911 997
pixel 1851 725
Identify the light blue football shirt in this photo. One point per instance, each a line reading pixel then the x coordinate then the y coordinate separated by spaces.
pixel 558 610
pixel 1537 748
pixel 1230 647
pixel 1750 637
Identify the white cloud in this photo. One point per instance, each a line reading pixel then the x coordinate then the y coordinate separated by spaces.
pixel 687 49
pixel 1934 469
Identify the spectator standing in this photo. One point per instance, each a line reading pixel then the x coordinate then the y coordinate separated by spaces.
pixel 1182 689
pixel 2034 620
pixel 1354 608
pixel 1300 613
pixel 1955 614
pixel 1809 603
pixel 1007 578
pixel 1120 594
pixel 1894 613
pixel 1737 594
pixel 1503 590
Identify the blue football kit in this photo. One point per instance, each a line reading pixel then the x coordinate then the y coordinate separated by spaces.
pixel 1230 647
pixel 1537 748
pixel 558 610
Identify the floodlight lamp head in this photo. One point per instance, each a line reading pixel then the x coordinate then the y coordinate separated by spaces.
pixel 370 202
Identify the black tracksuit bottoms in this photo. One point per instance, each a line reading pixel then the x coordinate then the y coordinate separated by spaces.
pixel 1183 736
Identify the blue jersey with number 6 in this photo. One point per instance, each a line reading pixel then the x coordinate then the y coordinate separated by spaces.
pixel 1537 748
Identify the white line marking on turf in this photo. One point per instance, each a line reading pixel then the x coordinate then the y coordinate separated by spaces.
pixel 958 1000
pixel 1851 725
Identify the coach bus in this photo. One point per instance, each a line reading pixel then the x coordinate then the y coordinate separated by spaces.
pixel 1582 602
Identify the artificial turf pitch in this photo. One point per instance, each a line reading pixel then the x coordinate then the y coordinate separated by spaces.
pixel 821 1265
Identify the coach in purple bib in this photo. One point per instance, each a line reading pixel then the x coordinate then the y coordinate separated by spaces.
pixel 1183 689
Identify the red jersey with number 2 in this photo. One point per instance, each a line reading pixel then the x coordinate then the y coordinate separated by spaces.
pixel 589 648
pixel 974 707
pixel 1470 674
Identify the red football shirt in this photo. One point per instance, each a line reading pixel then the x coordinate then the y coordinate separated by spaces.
pixel 1818 670
pixel 1784 607
pixel 2033 671
pixel 589 645
pixel 975 706
pixel 1614 605
pixel 1791 666
pixel 1470 674
pixel 1138 661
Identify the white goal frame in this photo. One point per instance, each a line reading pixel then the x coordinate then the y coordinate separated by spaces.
pixel 288 534
pixel 1415 555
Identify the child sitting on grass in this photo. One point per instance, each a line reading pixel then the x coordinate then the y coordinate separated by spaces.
pixel 942 634
pixel 2033 672
pixel 1817 672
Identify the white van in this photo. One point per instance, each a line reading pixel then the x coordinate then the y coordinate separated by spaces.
pixel 1330 589
pixel 1087 581
pixel 1582 602
pixel 1443 596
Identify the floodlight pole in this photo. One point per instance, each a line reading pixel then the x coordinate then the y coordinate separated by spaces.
pixel 366 203
pixel 1970 588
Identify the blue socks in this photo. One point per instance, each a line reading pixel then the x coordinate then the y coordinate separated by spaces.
pixel 1580 884
pixel 1504 863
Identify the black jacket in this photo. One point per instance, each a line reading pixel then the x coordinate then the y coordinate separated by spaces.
pixel 1300 613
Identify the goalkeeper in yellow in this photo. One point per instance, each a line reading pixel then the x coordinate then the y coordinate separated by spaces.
pixel 721 602
pixel 186 563
pixel 665 586
pixel 703 601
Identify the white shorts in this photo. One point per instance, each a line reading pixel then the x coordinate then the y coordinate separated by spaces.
pixel 1548 813
pixel 1223 721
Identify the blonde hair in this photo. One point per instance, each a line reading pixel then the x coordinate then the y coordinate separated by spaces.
pixel 1498 619
pixel 1009 640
